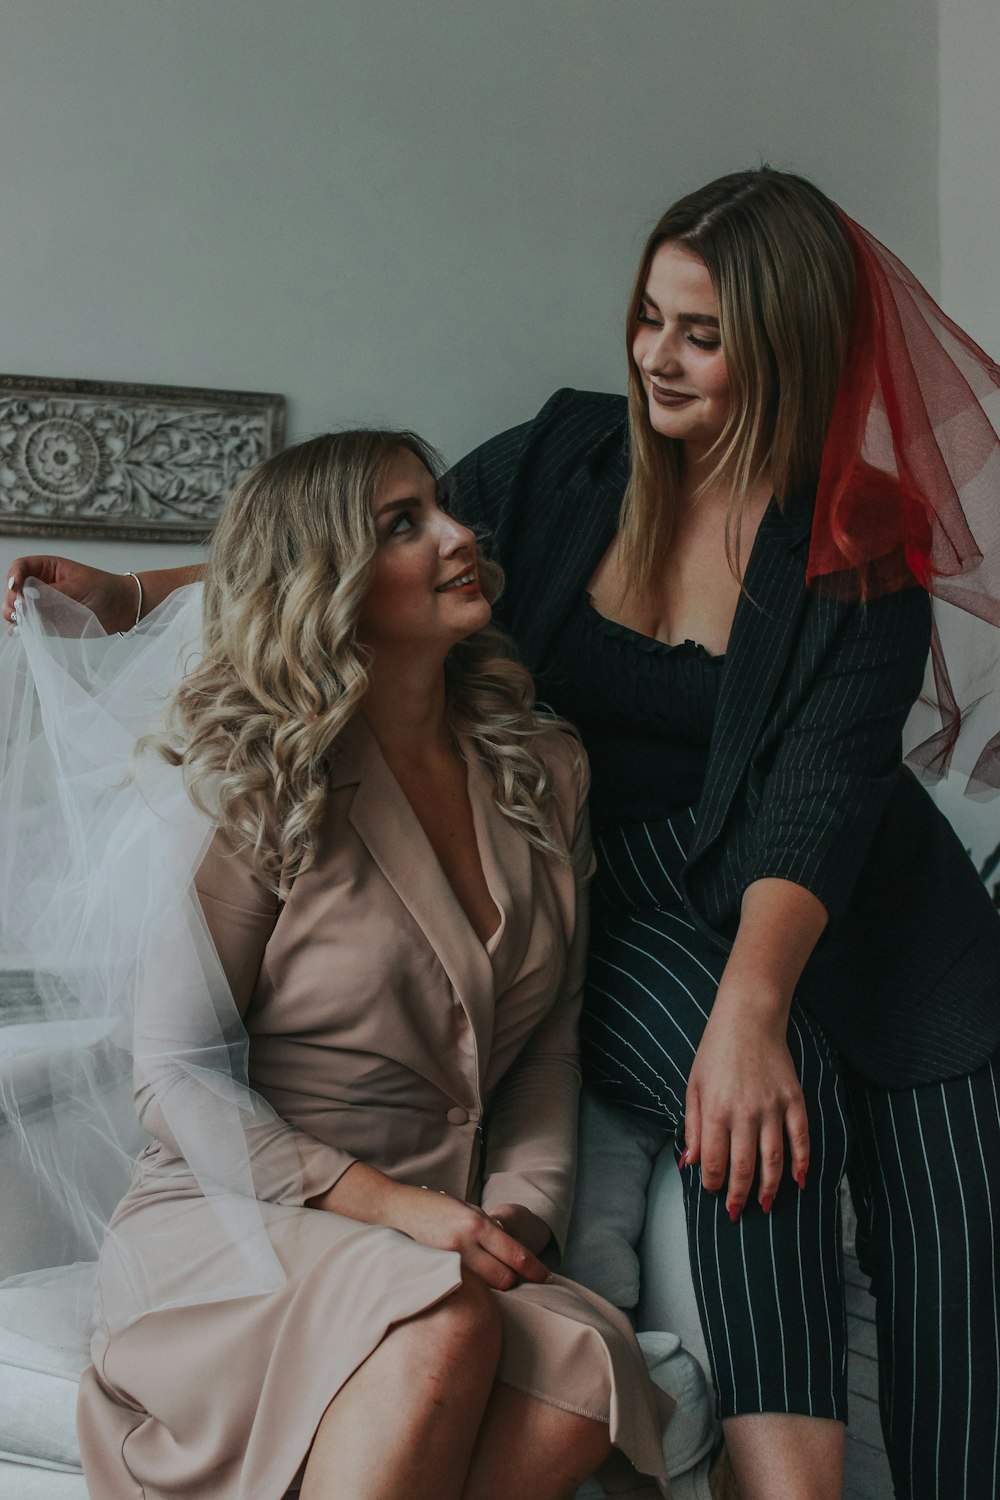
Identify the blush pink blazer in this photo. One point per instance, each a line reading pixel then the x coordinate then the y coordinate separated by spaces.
pixel 381 1029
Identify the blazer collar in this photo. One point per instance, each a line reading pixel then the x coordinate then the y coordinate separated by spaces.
pixel 354 753
pixel 395 839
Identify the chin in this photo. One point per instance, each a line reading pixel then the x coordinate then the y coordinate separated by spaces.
pixel 478 617
pixel 664 422
pixel 679 427
pixel 665 425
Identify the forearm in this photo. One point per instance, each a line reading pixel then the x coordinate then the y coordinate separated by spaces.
pixel 366 1194
pixel 780 925
pixel 158 583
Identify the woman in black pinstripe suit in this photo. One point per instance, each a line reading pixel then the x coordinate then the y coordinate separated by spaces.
pixel 793 963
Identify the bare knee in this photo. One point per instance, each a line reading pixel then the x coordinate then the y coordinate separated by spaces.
pixel 798 1457
pixel 470 1316
pixel 584 1445
pixel 460 1334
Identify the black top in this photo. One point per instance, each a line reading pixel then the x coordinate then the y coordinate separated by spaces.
pixel 644 710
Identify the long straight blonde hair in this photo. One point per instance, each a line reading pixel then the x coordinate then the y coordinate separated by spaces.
pixel 255 724
pixel 783 271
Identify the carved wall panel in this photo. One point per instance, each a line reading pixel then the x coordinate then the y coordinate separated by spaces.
pixel 140 462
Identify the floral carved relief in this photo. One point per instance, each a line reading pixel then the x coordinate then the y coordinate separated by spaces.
pixel 83 458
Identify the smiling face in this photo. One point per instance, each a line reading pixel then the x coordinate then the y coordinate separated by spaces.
pixel 677 350
pixel 424 588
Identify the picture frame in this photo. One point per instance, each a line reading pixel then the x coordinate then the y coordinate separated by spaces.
pixel 112 459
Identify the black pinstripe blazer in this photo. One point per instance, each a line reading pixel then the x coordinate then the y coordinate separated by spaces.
pixel 804 778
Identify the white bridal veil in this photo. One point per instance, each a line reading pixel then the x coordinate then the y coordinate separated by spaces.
pixel 109 966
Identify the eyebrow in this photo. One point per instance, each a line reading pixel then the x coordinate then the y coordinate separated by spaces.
pixel 704 319
pixel 406 503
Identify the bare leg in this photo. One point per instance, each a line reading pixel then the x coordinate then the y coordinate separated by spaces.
pixel 794 1457
pixel 406 1421
pixel 527 1447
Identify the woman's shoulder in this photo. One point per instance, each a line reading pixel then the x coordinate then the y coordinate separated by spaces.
pixel 227 875
pixel 567 427
pixel 568 404
pixel 525 468
pixel 570 421
pixel 561 752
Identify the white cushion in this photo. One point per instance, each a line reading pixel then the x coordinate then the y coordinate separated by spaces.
pixel 616 1153
pixel 692 1430
pixel 38 1384
pixel 22 1482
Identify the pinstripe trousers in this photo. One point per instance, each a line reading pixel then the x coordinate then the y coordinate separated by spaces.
pixel 924 1167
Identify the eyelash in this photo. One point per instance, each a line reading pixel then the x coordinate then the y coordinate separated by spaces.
pixel 692 338
pixel 404 515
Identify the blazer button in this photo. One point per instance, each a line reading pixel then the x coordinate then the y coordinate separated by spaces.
pixel 458 1116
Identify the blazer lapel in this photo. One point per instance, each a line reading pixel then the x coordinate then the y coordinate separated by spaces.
pixel 571 539
pixel 393 836
pixel 506 859
pixel 764 627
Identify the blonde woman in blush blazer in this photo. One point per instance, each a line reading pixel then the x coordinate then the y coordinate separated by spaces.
pixel 394 894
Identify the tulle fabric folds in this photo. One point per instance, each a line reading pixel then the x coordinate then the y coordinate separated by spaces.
pixel 97 904
pixel 910 490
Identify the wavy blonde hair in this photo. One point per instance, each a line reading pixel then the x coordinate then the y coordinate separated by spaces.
pixel 256 723
pixel 782 267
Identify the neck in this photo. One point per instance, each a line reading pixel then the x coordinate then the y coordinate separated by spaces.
pixel 699 461
pixel 405 707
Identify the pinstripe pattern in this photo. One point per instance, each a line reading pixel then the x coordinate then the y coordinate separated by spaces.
pixel 775 1329
pixel 925 1176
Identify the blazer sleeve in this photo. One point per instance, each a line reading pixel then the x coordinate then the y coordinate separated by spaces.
pixel 287 1165
pixel 532 1123
pixel 837 761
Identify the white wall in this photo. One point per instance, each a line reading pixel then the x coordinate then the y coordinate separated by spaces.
pixel 969 198
pixel 970 166
pixel 425 214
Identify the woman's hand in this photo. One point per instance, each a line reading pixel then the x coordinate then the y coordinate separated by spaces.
pixel 743 1098
pixel 111 596
pixel 433 1218
pixel 743 1095
pixel 496 1254
pixel 523 1225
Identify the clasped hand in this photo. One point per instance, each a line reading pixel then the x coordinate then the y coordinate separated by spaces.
pixel 497 1247
pixel 500 1248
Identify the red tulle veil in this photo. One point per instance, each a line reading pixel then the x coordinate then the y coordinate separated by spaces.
pixel 909 490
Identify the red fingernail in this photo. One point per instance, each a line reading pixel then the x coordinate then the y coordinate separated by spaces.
pixel 685 1154
pixel 735 1209
pixel 800 1177
pixel 767 1203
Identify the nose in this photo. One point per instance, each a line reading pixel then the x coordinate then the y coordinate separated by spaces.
pixel 455 537
pixel 661 356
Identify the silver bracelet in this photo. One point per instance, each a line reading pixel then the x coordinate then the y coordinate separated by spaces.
pixel 138 611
